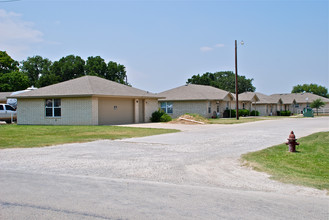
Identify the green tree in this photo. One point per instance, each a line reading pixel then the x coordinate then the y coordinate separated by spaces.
pixel 68 67
pixel 35 68
pixel 48 79
pixel 116 72
pixel 13 81
pixel 7 64
pixel 223 80
pixel 318 103
pixel 311 88
pixel 96 66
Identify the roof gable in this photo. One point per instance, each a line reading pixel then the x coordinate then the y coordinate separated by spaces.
pixel 248 97
pixel 195 92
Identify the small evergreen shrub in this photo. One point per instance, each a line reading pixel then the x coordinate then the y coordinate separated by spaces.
pixel 227 113
pixel 243 112
pixel 160 116
pixel 165 118
pixel 284 113
pixel 254 113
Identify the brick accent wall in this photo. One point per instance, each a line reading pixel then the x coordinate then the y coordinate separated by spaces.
pixel 74 111
pixel 196 107
pixel 151 105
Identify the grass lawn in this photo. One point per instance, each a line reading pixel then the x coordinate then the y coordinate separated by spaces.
pixel 308 167
pixel 20 136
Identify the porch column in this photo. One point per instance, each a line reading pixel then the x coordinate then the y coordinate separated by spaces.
pixel 136 113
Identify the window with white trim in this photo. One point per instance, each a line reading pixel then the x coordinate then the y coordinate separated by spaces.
pixel 167 107
pixel 53 108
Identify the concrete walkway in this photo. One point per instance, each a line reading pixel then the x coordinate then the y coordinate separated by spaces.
pixel 194 174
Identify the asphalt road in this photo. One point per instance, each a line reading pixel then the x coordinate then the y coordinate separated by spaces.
pixel 194 174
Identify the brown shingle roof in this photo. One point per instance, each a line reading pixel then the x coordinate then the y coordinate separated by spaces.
pixel 194 92
pixel 288 98
pixel 248 97
pixel 87 86
pixel 265 99
pixel 4 95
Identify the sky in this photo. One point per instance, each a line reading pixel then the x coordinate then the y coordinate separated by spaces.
pixel 162 43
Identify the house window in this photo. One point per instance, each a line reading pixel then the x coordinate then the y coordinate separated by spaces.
pixel 53 107
pixel 209 108
pixel 167 107
pixel 243 105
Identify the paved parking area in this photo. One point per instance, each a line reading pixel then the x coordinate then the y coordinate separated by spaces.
pixel 194 174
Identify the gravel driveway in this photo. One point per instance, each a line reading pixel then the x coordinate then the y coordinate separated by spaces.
pixel 194 174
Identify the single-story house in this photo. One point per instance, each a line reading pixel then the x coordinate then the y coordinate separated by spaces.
pixel 296 102
pixel 199 99
pixel 287 102
pixel 246 100
pixel 88 100
pixel 267 105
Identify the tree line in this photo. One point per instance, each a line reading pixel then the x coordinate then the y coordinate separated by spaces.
pixel 226 80
pixel 40 72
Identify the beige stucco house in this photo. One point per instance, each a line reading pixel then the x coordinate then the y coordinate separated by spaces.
pixel 198 99
pixel 267 105
pixel 296 102
pixel 246 100
pixel 88 100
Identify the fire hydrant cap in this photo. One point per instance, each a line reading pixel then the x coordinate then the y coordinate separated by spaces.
pixel 292 136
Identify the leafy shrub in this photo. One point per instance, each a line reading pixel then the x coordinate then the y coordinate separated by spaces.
pixel 227 113
pixel 283 113
pixel 254 113
pixel 165 118
pixel 160 116
pixel 243 112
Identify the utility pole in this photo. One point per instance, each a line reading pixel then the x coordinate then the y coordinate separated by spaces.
pixel 236 81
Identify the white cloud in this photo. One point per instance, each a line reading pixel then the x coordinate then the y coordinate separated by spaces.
pixel 17 36
pixel 219 45
pixel 206 49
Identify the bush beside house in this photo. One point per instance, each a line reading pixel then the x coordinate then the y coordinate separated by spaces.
pixel 160 116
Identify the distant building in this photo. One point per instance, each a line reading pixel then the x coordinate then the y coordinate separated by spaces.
pixel 199 99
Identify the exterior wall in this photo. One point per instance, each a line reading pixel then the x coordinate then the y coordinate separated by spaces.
pixel 219 107
pixel 199 107
pixel 265 109
pixel 196 107
pixel 94 111
pixel 150 106
pixel 74 111
pixel 113 111
pixel 301 106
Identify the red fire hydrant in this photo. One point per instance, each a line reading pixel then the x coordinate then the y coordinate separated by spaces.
pixel 292 142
